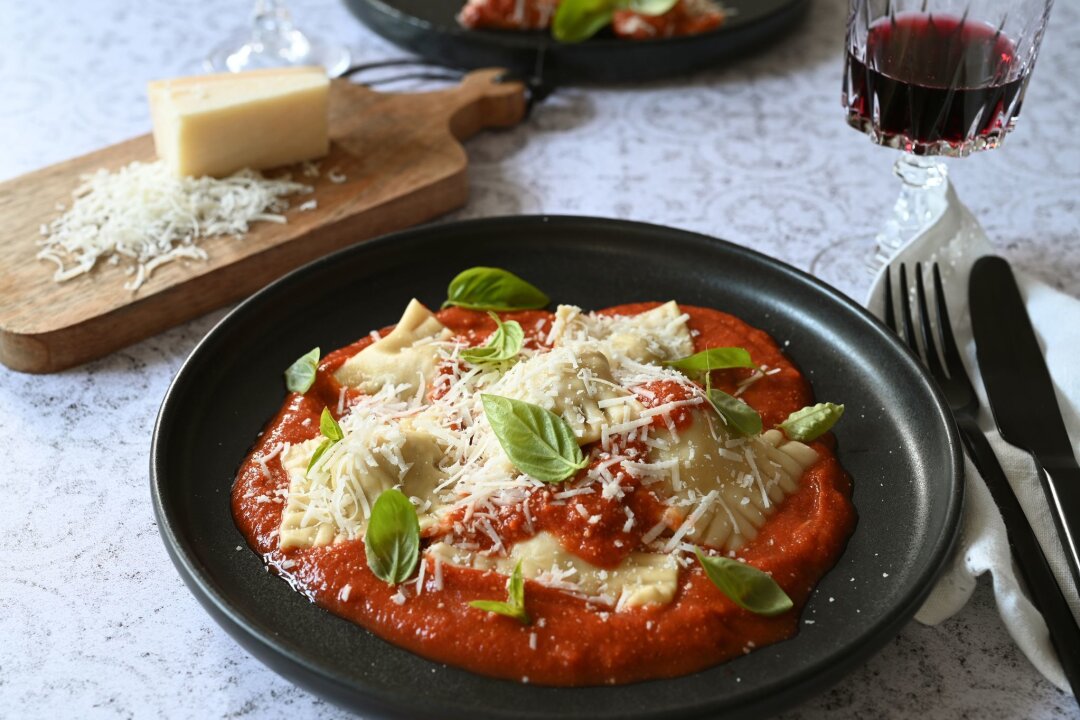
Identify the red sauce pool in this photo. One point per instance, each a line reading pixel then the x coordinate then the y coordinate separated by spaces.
pixel 576 643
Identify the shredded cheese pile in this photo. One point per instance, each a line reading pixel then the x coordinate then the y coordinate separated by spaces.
pixel 147 216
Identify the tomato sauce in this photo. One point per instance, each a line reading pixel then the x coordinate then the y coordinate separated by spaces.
pixel 683 19
pixel 569 641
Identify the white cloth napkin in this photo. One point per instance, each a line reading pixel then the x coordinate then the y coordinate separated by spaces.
pixel 955 241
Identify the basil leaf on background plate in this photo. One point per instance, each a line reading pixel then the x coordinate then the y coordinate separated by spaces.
pixel 578 20
pixel 650 7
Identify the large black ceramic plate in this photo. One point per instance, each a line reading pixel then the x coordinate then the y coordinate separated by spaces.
pixel 430 29
pixel 895 439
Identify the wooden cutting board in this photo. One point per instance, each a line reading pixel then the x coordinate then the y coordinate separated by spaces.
pixel 403 163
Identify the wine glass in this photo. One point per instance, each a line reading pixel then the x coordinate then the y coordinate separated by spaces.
pixel 274 41
pixel 936 78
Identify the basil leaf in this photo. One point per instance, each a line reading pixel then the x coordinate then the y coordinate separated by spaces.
pixel 504 344
pixel 392 539
pixel 329 426
pixel 488 288
pixel 536 440
pixel 811 422
pixel 514 607
pixel 651 7
pixel 748 587
pixel 578 20
pixel 331 431
pixel 323 447
pixel 739 416
pixel 300 376
pixel 714 359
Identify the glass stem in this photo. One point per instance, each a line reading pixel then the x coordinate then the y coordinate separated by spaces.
pixel 925 183
pixel 273 40
pixel 272 25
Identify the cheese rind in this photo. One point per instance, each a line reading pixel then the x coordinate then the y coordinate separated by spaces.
pixel 218 124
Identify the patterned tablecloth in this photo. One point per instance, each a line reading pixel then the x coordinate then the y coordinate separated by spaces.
pixel 96 623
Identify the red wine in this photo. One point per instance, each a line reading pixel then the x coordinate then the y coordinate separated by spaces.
pixel 931 79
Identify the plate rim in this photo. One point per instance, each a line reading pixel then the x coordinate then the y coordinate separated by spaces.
pixel 330 684
pixel 389 22
pixel 512 37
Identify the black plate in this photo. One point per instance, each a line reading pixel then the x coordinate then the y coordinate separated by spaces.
pixel 430 29
pixel 896 441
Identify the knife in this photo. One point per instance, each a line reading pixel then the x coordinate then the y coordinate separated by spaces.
pixel 1021 394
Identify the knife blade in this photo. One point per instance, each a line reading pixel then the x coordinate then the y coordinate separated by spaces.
pixel 1021 394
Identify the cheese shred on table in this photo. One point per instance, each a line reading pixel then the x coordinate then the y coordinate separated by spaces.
pixel 145 216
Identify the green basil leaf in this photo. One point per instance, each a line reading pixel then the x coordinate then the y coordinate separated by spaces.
pixel 392 539
pixel 651 7
pixel 330 429
pixel 747 586
pixel 329 426
pixel 578 20
pixel 812 422
pixel 719 358
pixel 536 440
pixel 740 417
pixel 323 447
pixel 504 344
pixel 300 376
pixel 488 288
pixel 514 607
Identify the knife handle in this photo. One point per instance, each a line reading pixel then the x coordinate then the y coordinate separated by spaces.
pixel 1039 578
pixel 1062 489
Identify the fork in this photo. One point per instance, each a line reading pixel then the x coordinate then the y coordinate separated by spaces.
pixel 420 69
pixel 953 380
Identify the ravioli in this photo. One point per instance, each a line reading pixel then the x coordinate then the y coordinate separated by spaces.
pixel 571 385
pixel 331 501
pixel 651 337
pixel 613 589
pixel 718 490
pixel 640 579
pixel 730 485
pixel 405 358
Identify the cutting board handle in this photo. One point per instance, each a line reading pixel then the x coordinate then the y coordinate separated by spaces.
pixel 481 100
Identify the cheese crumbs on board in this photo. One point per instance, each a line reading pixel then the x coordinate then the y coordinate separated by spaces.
pixel 145 216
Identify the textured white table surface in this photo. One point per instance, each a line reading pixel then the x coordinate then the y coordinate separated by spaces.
pixel 94 621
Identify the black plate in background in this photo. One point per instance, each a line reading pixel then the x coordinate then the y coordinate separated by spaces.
pixel 895 439
pixel 429 28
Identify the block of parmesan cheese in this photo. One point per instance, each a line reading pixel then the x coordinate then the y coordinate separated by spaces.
pixel 218 124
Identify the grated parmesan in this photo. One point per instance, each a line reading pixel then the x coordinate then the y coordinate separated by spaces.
pixel 145 216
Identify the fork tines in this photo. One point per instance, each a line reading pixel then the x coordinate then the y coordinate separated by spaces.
pixel 931 351
pixel 403 69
